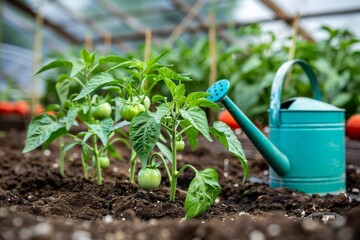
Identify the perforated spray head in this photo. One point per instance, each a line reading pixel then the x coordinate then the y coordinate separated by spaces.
pixel 218 90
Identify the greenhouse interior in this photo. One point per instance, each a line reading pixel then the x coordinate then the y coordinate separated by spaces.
pixel 179 119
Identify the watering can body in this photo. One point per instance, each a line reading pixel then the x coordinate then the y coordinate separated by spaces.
pixel 306 145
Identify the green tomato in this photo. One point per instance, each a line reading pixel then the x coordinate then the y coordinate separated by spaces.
pixel 104 161
pixel 149 178
pixel 130 110
pixel 146 102
pixel 180 145
pixel 101 111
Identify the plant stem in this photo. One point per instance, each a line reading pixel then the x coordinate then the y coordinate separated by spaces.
pixel 132 166
pixel 97 162
pixel 174 176
pixel 62 156
pixel 186 166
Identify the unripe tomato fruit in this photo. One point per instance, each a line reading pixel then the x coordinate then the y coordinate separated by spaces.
pixel 353 127
pixel 149 178
pixel 129 110
pixel 225 116
pixel 101 111
pixel 104 161
pixel 146 102
pixel 180 145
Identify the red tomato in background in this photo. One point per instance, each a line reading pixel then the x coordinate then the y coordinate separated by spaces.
pixel 6 107
pixel 225 116
pixel 22 108
pixel 353 127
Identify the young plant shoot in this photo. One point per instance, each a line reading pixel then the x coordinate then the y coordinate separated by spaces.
pixel 181 118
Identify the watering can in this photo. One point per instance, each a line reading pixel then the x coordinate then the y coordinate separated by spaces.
pixel 306 145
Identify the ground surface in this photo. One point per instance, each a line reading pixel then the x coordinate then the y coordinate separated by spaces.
pixel 37 203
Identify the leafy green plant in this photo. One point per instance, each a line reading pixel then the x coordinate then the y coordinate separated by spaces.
pixel 94 111
pixel 181 117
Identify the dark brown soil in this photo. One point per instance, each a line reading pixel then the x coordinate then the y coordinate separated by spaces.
pixel 37 203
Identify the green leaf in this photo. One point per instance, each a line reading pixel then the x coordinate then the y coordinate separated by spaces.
pixel 158 98
pixel 170 85
pixel 102 130
pixel 227 137
pixel 119 125
pixel 112 59
pixel 40 130
pixel 77 67
pixel 191 133
pixel 144 133
pixel 168 73
pixel 69 146
pixel 166 151
pixel 202 192
pixel 70 117
pixel 113 152
pixel 94 83
pixel 198 119
pixel 55 64
pixel 161 111
pixel 62 89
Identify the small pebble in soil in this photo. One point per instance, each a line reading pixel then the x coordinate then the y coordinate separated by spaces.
pixel 165 233
pixel 47 152
pixel 256 235
pixel 42 229
pixel 80 235
pixel 243 213
pixel 310 225
pixel 180 156
pixel 266 172
pixel 273 230
pixel 25 233
pixel 153 222
pixel 55 165
pixel 303 213
pixel 355 190
pixel 226 174
pixel 217 200
pixel 17 221
pixel 326 218
pixel 236 185
pixel 3 212
pixel 115 169
pixel 108 219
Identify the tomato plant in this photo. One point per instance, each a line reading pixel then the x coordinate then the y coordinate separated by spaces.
pixel 149 178
pixel 353 127
pixel 180 118
pixel 91 109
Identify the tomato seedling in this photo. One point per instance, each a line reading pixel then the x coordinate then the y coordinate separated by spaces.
pixel 180 118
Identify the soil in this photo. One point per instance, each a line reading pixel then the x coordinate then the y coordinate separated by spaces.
pixel 36 202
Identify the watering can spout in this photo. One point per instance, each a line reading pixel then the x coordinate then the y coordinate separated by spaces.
pixel 276 159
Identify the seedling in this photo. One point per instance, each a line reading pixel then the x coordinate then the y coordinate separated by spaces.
pixel 181 118
pixel 93 110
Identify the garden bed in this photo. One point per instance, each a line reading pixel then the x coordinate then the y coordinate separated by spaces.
pixel 37 203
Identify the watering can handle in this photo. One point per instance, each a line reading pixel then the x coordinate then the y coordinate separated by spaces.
pixel 276 88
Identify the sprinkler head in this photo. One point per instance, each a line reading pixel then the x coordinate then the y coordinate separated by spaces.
pixel 218 90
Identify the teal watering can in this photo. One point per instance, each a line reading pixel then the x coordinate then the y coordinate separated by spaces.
pixel 306 145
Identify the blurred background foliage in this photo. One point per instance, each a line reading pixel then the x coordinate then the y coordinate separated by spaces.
pixel 250 64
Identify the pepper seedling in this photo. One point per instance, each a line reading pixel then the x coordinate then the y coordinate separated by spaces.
pixel 181 118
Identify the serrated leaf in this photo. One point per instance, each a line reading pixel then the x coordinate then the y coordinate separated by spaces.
pixel 144 133
pixel 202 192
pixel 168 73
pixel 198 119
pixel 55 64
pixel 228 138
pixel 165 150
pixel 40 130
pixel 94 83
pixel 102 130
